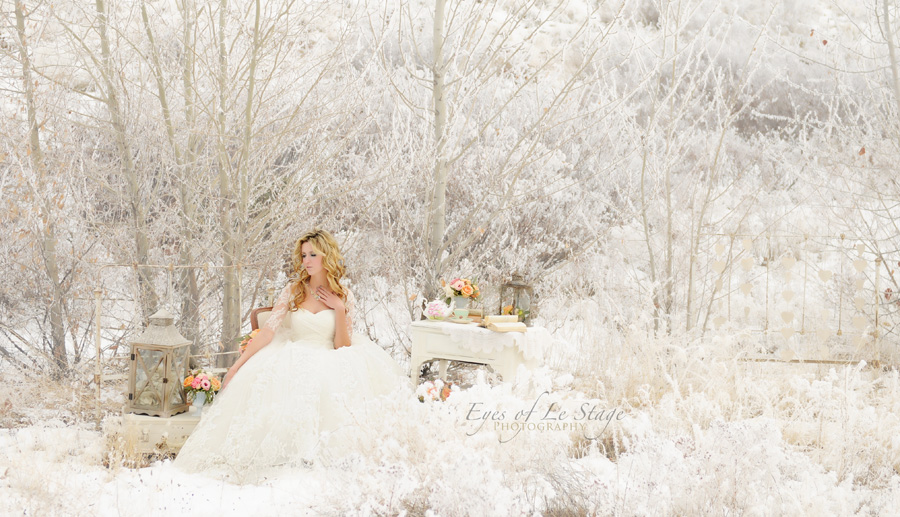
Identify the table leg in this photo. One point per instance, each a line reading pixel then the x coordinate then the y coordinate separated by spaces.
pixel 443 369
pixel 491 376
pixel 415 365
pixel 507 371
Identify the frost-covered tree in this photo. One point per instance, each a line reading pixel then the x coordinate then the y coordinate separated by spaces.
pixel 505 105
pixel 44 251
pixel 257 113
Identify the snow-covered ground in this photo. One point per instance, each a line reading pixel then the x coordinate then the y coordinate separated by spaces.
pixel 692 431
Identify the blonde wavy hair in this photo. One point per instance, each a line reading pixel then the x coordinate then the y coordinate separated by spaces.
pixel 324 244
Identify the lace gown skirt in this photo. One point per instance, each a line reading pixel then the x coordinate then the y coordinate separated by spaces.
pixel 287 398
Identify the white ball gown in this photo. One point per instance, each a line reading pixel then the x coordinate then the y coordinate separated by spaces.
pixel 291 400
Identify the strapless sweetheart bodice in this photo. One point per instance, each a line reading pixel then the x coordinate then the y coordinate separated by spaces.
pixel 311 327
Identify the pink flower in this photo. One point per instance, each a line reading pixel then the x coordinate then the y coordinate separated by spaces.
pixel 205 384
pixel 457 284
pixel 196 383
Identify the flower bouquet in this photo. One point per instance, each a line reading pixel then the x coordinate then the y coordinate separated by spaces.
pixel 461 287
pixel 437 390
pixel 200 382
pixel 437 310
pixel 245 340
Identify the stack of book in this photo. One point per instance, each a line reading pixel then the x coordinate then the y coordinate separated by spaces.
pixel 504 324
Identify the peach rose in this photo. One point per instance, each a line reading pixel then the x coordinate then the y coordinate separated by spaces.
pixel 467 291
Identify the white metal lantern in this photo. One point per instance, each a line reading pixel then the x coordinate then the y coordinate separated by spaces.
pixel 159 362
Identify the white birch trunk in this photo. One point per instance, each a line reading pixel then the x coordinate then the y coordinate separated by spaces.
pixel 437 212
pixel 231 312
pixel 190 291
pixel 892 52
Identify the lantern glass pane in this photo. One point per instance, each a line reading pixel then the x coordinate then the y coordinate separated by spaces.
pixel 175 386
pixel 150 369
pixel 505 299
pixel 524 300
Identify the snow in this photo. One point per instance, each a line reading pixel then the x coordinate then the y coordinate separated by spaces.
pixel 715 437
pixel 703 431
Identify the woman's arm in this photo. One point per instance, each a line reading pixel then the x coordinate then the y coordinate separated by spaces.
pixel 255 345
pixel 265 335
pixel 341 336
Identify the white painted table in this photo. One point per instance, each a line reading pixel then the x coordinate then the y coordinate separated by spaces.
pixel 502 351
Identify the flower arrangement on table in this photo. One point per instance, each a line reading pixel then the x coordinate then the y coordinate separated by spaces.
pixel 245 340
pixel 464 287
pixel 200 382
pixel 437 390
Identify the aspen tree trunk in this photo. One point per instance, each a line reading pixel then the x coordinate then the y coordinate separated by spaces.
pixel 48 231
pixel 189 322
pixel 230 289
pixel 669 274
pixel 669 285
pixel 892 52
pixel 149 300
pixel 657 303
pixel 190 291
pixel 237 190
pixel 438 209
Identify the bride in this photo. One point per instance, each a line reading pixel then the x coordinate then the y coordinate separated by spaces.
pixel 299 379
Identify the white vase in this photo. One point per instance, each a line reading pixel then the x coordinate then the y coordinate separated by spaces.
pixel 460 302
pixel 199 402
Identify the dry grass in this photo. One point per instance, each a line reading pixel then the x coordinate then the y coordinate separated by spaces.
pixel 29 400
pixel 841 418
pixel 26 399
pixel 572 497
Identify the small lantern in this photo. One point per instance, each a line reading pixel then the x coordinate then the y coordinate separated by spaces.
pixel 159 361
pixel 515 298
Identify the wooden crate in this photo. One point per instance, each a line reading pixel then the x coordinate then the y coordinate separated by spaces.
pixel 150 434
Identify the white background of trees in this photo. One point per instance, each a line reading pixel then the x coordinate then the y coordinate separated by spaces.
pixel 595 147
